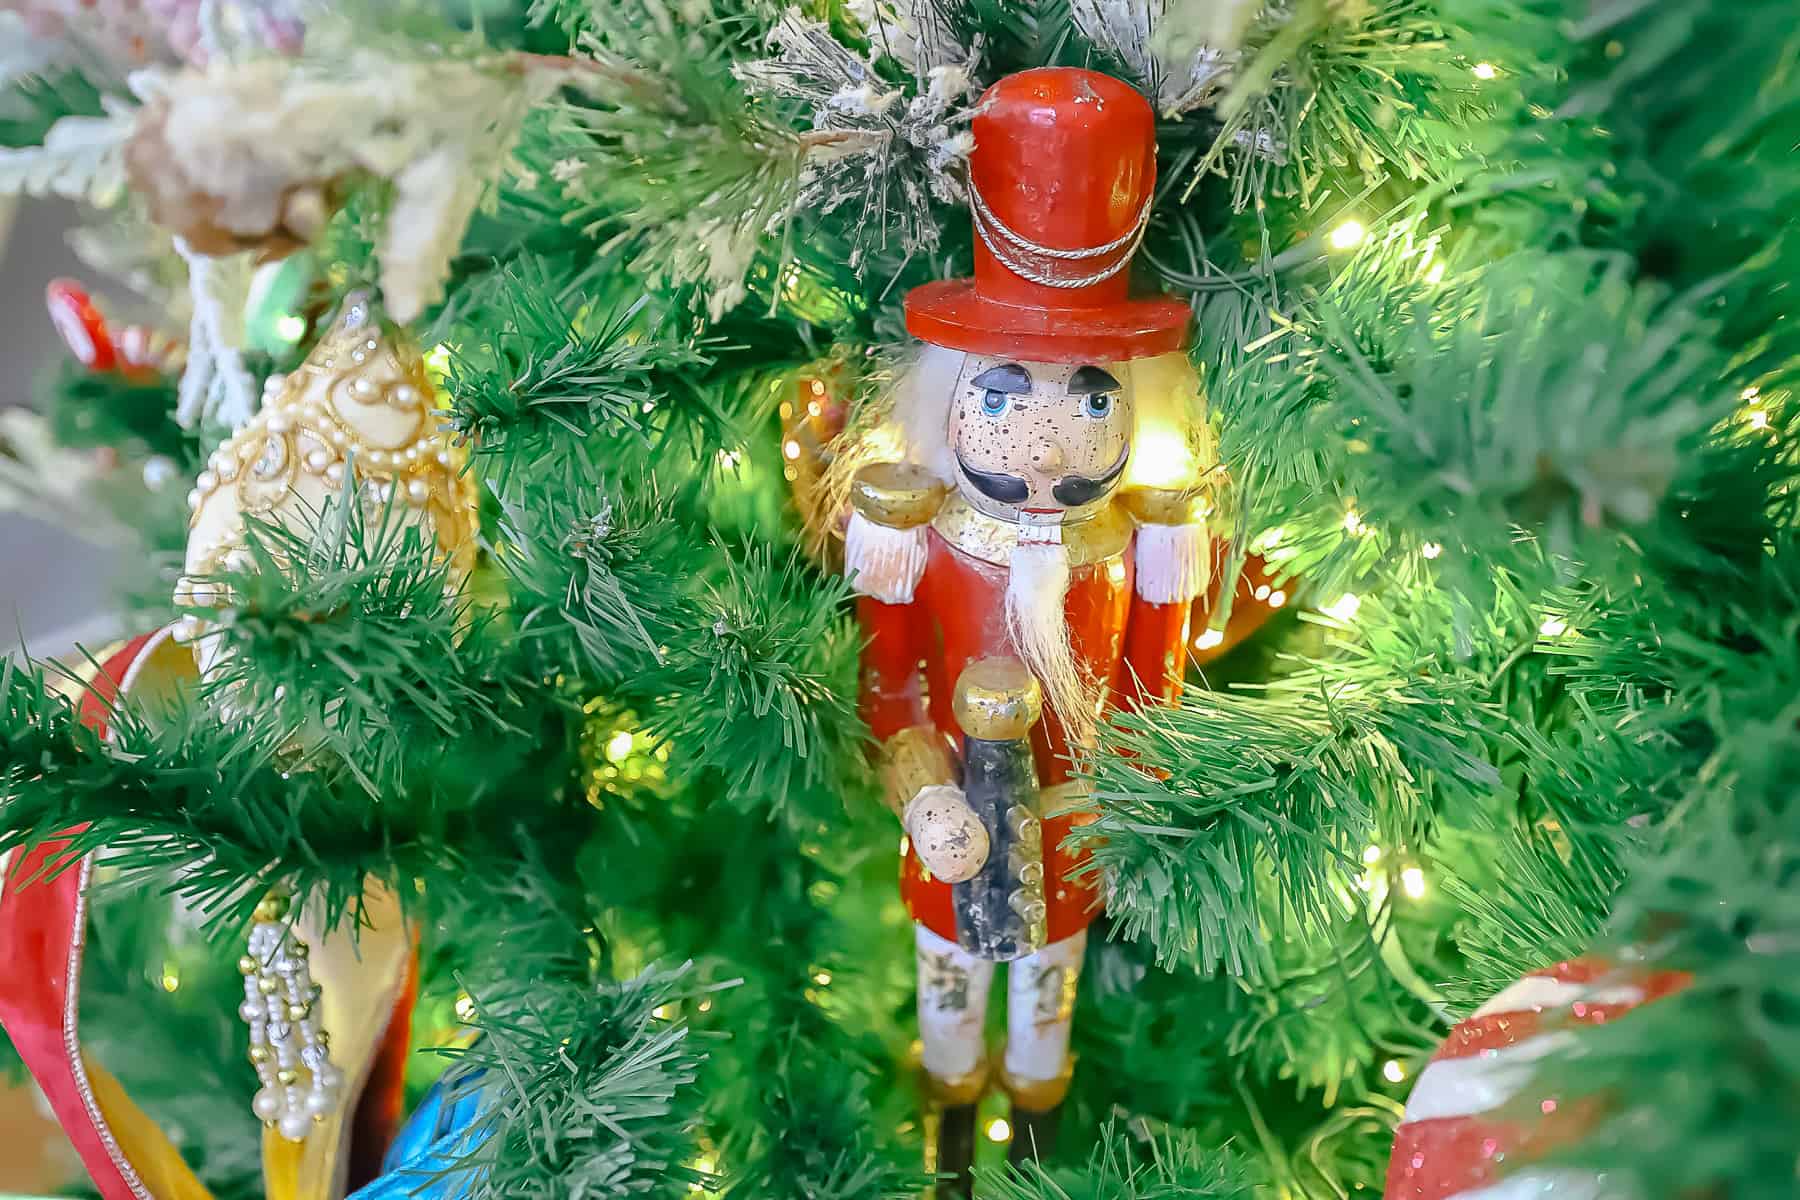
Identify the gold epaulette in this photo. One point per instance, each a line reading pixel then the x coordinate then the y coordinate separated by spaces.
pixel 897 495
pixel 1167 505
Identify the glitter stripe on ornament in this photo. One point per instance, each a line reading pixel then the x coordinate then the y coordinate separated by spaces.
pixel 1472 1120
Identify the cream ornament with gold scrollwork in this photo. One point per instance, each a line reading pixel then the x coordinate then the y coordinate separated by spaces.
pixel 362 405
pixel 360 419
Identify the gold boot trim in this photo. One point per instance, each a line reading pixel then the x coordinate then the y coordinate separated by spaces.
pixel 1037 1095
pixel 959 1089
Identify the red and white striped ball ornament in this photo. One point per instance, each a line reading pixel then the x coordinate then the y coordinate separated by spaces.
pixel 1474 1121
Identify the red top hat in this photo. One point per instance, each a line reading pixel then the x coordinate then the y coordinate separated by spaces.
pixel 1060 184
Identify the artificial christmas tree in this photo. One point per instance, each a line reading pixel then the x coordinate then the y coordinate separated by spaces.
pixel 1478 553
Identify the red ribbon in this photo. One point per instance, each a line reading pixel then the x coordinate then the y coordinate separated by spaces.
pixel 43 924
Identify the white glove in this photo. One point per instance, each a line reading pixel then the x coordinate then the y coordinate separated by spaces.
pixel 946 834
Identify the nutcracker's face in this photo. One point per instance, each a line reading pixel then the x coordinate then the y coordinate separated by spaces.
pixel 1038 442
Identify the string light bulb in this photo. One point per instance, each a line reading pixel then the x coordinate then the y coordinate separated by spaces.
pixel 1348 235
pixel 1344 608
pixel 1392 1071
pixel 998 1130
pixel 1209 638
pixel 1412 882
pixel 1485 70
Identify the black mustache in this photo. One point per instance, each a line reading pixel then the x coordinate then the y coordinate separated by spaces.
pixel 1070 490
pixel 1074 490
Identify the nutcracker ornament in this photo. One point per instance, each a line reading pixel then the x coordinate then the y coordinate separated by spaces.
pixel 1029 565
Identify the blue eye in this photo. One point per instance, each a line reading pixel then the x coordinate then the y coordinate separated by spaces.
pixel 1097 404
pixel 994 403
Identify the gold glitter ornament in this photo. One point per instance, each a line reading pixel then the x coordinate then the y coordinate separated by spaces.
pixel 362 405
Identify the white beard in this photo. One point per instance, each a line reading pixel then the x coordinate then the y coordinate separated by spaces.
pixel 1036 588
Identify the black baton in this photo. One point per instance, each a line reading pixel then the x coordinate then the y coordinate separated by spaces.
pixel 1000 913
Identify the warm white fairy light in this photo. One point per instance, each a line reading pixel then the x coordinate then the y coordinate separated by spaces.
pixel 706 1164
pixel 791 448
pixel 1209 638
pixel 290 328
pixel 1412 882
pixel 1348 235
pixel 822 978
pixel 1553 627
pixel 1431 549
pixel 171 977
pixel 1485 70
pixel 1344 608
pixel 998 1130
pixel 729 459
pixel 1392 1071
pixel 618 746
pixel 1371 854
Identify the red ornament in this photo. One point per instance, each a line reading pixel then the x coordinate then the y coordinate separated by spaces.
pixel 78 319
pixel 1061 182
pixel 133 351
pixel 1472 1123
pixel 1259 593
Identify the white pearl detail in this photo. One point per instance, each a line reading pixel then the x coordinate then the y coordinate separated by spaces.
pixel 317 461
pixel 335 472
pixel 417 491
pixel 299 1084
pixel 266 1105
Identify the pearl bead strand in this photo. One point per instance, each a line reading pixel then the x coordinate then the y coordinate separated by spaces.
pixel 291 1054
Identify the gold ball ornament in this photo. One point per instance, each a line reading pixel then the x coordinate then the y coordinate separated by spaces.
pixel 361 407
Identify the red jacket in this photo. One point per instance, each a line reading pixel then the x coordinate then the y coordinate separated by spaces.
pixel 957 615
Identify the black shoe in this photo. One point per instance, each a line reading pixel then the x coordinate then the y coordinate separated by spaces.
pixel 956 1153
pixel 1034 1134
